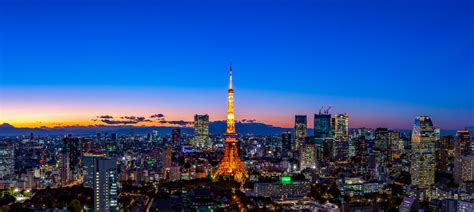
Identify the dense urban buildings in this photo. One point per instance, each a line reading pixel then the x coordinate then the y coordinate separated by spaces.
pixel 332 167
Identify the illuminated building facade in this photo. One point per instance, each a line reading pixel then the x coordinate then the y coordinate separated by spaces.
pixel 72 150
pixel 7 161
pixel 285 189
pixel 381 145
pixel 441 154
pixel 286 143
pixel 307 156
pixel 467 173
pixel 342 126
pixel 461 142
pixel 89 168
pixel 201 132
pixel 231 165
pixel 105 184
pixel 322 125
pixel 423 147
pixel 301 131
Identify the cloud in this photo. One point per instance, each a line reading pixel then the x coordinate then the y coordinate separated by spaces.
pixel 248 121
pixel 157 116
pixel 105 117
pixel 122 120
pixel 114 122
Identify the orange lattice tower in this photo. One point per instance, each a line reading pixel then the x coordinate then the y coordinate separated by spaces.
pixel 231 166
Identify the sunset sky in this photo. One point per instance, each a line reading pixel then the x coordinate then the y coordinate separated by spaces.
pixel 382 62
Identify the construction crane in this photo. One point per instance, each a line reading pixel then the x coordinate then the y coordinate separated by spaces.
pixel 321 109
pixel 327 110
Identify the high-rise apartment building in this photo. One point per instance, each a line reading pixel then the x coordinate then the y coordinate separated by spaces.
pixel 105 184
pixel 423 150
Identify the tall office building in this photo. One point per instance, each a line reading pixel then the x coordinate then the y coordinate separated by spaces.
pixel 423 147
pixel 381 146
pixel 89 168
pixel 467 168
pixel 441 154
pixel 285 143
pixel 342 126
pixel 176 137
pixel 301 131
pixel 395 145
pixel 322 125
pixel 167 157
pixel 105 184
pixel 72 150
pixel 460 147
pixel 307 155
pixel 65 174
pixel 201 132
pixel 7 161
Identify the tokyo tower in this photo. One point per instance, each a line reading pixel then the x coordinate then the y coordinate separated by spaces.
pixel 231 166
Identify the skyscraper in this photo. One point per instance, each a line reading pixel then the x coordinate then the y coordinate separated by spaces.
pixel 342 126
pixel 381 146
pixel 301 131
pixel 105 184
pixel 89 168
pixel 72 150
pixel 461 142
pixel 201 132
pixel 176 137
pixel 441 154
pixel 231 166
pixel 307 155
pixel 285 143
pixel 322 125
pixel 423 147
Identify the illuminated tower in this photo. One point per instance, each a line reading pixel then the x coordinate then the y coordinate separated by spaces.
pixel 231 166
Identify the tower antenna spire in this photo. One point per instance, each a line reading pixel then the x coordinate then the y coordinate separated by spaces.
pixel 230 76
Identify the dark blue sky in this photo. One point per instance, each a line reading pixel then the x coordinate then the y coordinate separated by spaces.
pixel 383 62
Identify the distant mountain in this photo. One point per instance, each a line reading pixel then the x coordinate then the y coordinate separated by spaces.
pixel 217 127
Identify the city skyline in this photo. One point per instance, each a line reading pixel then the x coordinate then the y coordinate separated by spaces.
pixel 331 105
pixel 86 60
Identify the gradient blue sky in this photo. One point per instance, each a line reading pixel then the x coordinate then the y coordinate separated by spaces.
pixel 383 62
